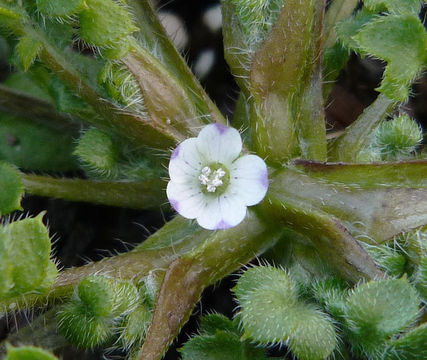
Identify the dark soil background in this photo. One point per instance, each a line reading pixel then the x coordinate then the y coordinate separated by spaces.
pixel 85 232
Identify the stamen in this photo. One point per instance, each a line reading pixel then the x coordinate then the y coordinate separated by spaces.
pixel 210 179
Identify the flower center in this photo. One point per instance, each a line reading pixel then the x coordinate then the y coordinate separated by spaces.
pixel 213 177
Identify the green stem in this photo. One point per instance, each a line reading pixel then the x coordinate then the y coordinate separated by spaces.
pixel 133 127
pixel 357 136
pixel 154 37
pixel 135 195
pixel 221 253
pixel 403 174
pixel 37 110
pixel 177 237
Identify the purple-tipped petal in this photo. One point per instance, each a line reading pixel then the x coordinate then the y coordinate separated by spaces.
pixel 185 198
pixel 223 212
pixel 249 179
pixel 219 143
pixel 185 163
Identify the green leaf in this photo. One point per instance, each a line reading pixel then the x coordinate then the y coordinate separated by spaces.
pixel 59 8
pixel 10 180
pixel 261 276
pixel 105 23
pixel 28 49
pixel 313 336
pixel 98 153
pixel 28 353
pixel 349 27
pixel 401 41
pixel 28 239
pixel 31 146
pixel 221 346
pixel 395 6
pixel 411 346
pixel 378 310
pixel 212 323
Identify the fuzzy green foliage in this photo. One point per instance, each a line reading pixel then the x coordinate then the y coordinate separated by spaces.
pixel 219 339
pixel 332 295
pixel 121 85
pixel 104 23
pixel 271 312
pixel 348 28
pixel 401 41
pixel 59 8
pixel 81 328
pixel 25 239
pixel 95 293
pixel 135 327
pixel 257 17
pixel 398 138
pixel 395 6
pixel 33 147
pixel 28 49
pixel 98 305
pixel 28 353
pixel 98 153
pixel 411 346
pixel 390 259
pixel 377 310
pixel 10 179
pixel 420 280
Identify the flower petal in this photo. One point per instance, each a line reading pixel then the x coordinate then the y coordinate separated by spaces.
pixel 248 179
pixel 219 143
pixel 186 198
pixel 185 162
pixel 221 212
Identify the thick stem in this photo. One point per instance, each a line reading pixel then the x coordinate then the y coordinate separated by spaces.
pixel 222 253
pixel 134 195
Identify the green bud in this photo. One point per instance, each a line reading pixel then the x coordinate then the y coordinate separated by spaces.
pixel 28 353
pixel 121 85
pixel 59 8
pixel 126 297
pixel 136 327
pixel 377 310
pixel 96 294
pixel 83 329
pixel 104 23
pixel 397 139
pixel 97 153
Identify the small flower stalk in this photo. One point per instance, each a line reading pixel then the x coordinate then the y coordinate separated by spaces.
pixel 211 182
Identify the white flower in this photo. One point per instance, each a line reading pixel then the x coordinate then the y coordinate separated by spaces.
pixel 211 183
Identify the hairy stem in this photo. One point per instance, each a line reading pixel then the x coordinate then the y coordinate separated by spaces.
pixel 134 195
pixel 357 136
